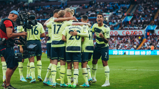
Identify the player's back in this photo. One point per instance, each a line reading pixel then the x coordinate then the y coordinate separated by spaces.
pixel 73 43
pixel 56 35
pixel 87 45
pixel 50 29
pixel 35 32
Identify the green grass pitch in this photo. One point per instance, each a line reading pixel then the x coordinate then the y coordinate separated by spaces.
pixel 126 72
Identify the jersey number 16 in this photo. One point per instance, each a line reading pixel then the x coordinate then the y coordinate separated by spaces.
pixel 34 31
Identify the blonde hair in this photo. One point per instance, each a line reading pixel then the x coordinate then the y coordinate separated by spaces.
pixel 61 13
pixel 70 11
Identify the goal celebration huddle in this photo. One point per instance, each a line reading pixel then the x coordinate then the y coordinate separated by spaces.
pixel 68 43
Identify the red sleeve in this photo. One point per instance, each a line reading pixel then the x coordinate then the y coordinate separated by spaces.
pixel 8 23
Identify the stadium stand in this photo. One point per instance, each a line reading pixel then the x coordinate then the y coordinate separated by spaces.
pixel 119 15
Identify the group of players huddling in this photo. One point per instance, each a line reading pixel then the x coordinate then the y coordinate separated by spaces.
pixel 71 42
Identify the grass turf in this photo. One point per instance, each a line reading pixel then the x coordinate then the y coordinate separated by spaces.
pixel 126 72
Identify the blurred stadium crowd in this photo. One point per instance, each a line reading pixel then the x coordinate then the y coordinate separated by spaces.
pixel 142 13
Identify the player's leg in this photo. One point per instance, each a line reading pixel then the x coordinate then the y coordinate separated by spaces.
pixel 88 69
pixel 62 71
pixel 76 59
pixel 31 60
pixel 39 67
pixel 96 56
pixel 20 66
pixel 69 68
pixel 38 57
pixel 105 58
pixel 12 64
pixel 58 70
pixel 46 80
pixel 84 69
pixel 4 68
pixel 32 69
pixel 54 57
pixel 48 73
pixel 53 71
pixel 28 77
pixel 69 73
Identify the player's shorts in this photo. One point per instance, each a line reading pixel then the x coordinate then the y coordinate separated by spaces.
pixel 57 53
pixel 104 52
pixel 86 56
pixel 24 55
pixel 37 51
pixel 8 54
pixel 73 57
pixel 48 50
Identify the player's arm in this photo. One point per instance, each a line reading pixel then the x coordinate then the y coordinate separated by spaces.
pixel 82 39
pixel 65 19
pixel 42 35
pixel 47 21
pixel 81 23
pixel 10 33
pixel 42 31
pixel 64 35
pixel 75 33
pixel 84 33
pixel 93 29
pixel 63 38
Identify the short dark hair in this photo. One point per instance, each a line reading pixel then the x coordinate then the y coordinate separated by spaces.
pixel 100 13
pixel 56 11
pixel 84 17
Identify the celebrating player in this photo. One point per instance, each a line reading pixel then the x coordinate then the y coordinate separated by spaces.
pixel 50 25
pixel 57 46
pixel 87 50
pixel 46 80
pixel 33 37
pixel 102 48
pixel 73 50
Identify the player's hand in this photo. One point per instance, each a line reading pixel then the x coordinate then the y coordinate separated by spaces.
pixel 101 35
pixel 74 18
pixel 73 33
pixel 21 49
pixel 24 33
pixel 89 24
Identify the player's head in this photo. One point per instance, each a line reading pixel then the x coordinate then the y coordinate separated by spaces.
pixel 55 12
pixel 84 18
pixel 31 16
pixel 69 12
pixel 61 13
pixel 13 15
pixel 100 18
